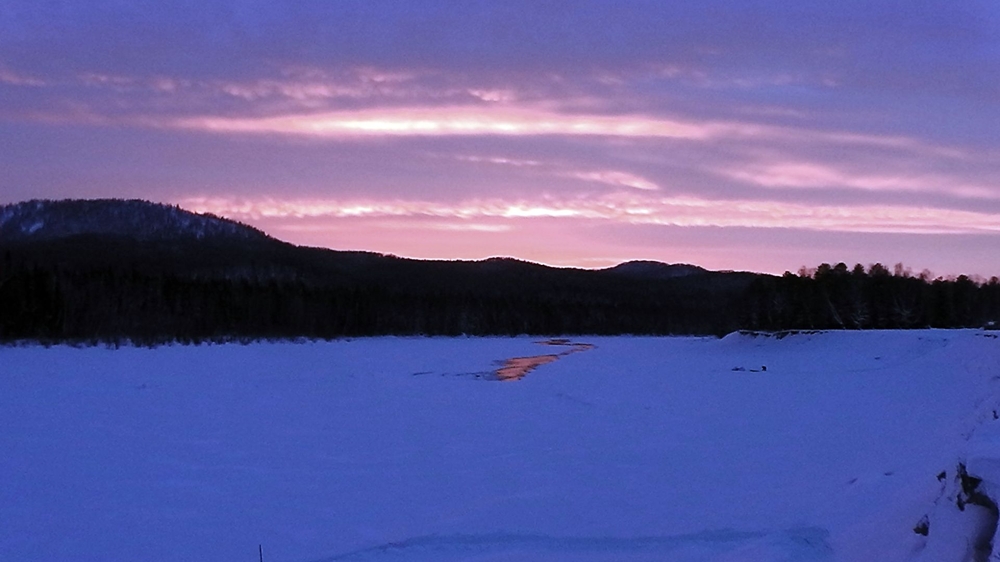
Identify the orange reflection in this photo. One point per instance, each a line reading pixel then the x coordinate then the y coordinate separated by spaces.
pixel 517 367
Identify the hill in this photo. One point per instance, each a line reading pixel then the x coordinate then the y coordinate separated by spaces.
pixel 132 269
pixel 107 270
pixel 134 219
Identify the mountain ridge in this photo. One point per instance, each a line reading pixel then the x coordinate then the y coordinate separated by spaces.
pixel 145 221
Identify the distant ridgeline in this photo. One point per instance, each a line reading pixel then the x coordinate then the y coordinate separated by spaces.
pixel 113 270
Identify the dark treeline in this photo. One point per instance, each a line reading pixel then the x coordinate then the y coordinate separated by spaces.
pixel 838 297
pixel 148 297
pixel 68 294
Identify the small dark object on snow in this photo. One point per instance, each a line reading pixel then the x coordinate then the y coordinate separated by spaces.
pixel 923 527
pixel 763 367
pixel 942 475
pixel 970 493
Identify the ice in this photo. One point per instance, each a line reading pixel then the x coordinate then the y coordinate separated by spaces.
pixel 385 449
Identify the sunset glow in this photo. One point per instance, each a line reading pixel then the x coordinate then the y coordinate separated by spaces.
pixel 673 211
pixel 462 131
pixel 455 121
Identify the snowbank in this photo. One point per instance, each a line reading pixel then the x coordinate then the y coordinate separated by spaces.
pixel 962 525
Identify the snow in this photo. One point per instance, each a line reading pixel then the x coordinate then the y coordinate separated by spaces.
pixel 394 449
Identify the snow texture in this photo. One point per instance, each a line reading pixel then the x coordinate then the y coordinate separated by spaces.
pixel 390 449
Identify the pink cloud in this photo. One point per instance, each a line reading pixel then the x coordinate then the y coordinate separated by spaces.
pixel 447 121
pixel 816 175
pixel 8 76
pixel 617 179
pixel 625 208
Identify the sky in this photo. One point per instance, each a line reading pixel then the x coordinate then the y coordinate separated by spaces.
pixel 732 134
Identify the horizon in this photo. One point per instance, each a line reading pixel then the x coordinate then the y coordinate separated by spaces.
pixel 763 137
pixel 895 269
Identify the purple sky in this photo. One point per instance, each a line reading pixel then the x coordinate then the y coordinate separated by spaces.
pixel 731 134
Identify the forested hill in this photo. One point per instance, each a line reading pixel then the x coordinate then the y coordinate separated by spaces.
pixel 109 270
pixel 132 219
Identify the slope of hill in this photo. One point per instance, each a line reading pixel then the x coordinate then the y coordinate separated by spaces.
pixel 134 219
pixel 655 270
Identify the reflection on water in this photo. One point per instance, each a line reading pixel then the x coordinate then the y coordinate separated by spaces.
pixel 516 368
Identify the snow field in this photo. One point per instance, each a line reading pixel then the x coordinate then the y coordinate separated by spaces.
pixel 392 448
